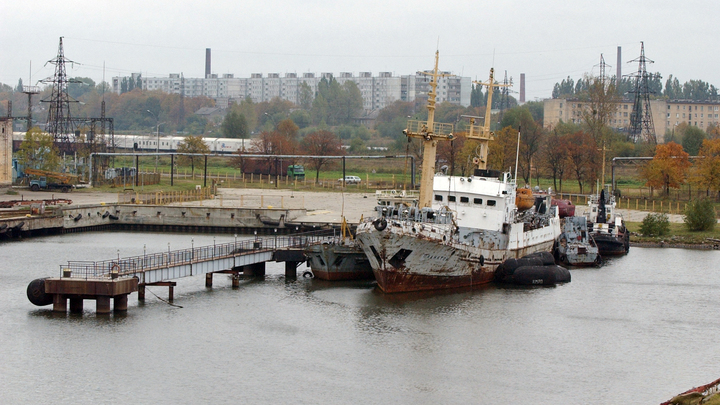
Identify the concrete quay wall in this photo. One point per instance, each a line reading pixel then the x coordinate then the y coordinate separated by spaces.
pixel 128 214
pixel 171 218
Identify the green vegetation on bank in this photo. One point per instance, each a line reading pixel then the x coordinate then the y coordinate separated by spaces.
pixel 677 234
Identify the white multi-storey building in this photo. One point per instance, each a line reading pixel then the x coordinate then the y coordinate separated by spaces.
pixel 377 91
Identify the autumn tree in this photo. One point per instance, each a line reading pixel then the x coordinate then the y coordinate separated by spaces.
pixel 502 150
pixel 601 103
pixel 713 131
pixel 532 136
pixel 705 173
pixel 582 158
pixel 668 167
pixel 192 145
pixel 554 155
pixel 38 151
pixel 288 138
pixel 451 153
pixel 321 144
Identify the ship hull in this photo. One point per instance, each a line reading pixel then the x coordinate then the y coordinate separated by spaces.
pixel 405 258
pixel 611 245
pixel 331 262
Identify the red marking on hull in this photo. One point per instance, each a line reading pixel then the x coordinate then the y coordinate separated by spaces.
pixel 396 281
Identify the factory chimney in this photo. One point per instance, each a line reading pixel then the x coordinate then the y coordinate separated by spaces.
pixel 208 71
pixel 522 88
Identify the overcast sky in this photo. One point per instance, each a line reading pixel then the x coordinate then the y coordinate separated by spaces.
pixel 546 40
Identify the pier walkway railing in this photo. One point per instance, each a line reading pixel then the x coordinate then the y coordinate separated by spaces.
pixel 156 267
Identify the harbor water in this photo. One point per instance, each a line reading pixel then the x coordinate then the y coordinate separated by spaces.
pixel 638 330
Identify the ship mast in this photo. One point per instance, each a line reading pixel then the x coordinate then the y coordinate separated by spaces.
pixel 430 133
pixel 484 135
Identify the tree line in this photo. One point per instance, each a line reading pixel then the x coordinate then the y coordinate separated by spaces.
pixel 695 90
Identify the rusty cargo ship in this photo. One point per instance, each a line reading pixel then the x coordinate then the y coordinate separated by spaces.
pixel 462 228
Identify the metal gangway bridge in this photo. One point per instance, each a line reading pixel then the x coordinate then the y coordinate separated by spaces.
pixel 246 257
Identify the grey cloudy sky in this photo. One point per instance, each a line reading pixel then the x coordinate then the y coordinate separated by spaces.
pixel 546 40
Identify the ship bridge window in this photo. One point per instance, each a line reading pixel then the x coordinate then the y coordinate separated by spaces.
pixel 477 200
pixel 438 197
pixel 451 198
pixel 491 203
pixel 464 199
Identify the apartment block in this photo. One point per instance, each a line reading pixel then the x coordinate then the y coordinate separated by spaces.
pixel 377 91
pixel 666 114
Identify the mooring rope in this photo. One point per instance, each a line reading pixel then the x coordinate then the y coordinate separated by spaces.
pixel 163 300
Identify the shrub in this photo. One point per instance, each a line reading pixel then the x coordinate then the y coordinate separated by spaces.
pixel 700 216
pixel 655 225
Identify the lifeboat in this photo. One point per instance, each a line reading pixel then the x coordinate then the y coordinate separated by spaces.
pixel 524 199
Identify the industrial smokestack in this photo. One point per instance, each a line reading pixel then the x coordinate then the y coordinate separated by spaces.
pixel 522 88
pixel 208 71
pixel 619 68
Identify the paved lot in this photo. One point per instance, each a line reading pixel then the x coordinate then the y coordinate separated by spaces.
pixel 320 206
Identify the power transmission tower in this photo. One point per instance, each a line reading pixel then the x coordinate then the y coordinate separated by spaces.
pixel 504 102
pixel 641 122
pixel 603 78
pixel 59 122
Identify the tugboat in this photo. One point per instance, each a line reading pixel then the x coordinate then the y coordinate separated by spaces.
pixel 575 246
pixel 607 227
pixel 463 227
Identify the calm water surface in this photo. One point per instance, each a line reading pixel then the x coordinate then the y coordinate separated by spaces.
pixel 638 330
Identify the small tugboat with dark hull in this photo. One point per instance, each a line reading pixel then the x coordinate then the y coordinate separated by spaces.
pixel 607 227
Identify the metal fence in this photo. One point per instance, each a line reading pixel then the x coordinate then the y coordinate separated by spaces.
pixel 130 266
pixel 161 198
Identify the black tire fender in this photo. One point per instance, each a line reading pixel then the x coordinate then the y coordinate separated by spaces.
pixel 380 224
